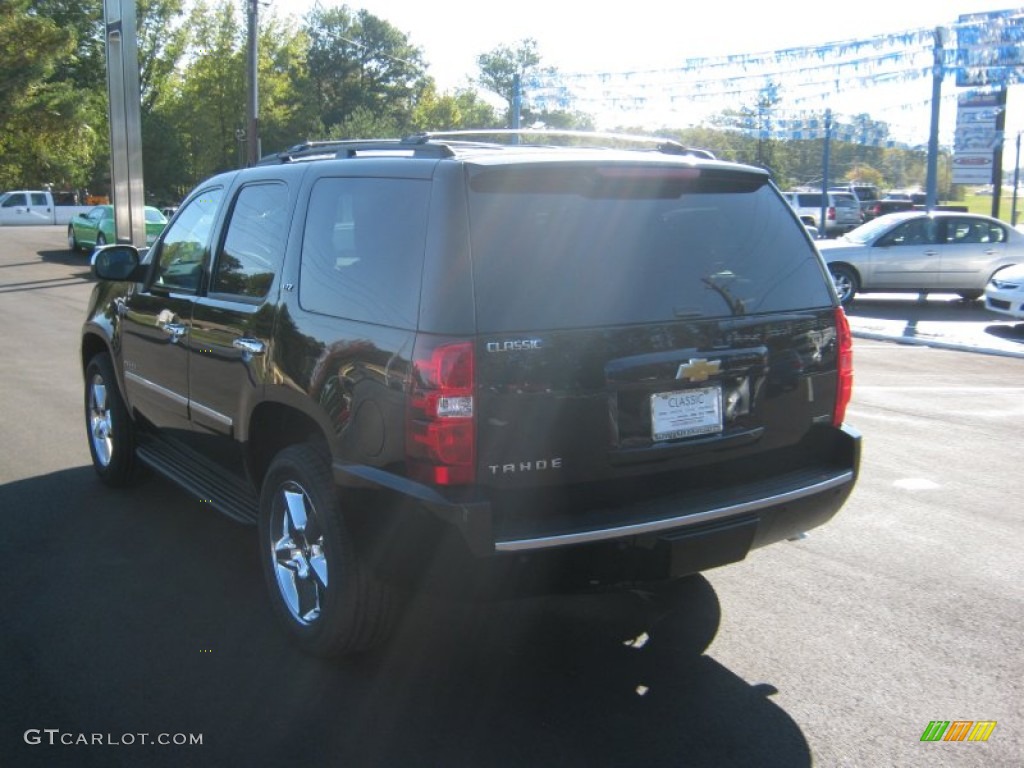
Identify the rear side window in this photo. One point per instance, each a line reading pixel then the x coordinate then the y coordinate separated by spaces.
pixel 38 198
pixel 362 249
pixel 587 246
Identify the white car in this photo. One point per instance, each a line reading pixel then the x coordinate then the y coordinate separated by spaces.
pixel 1005 292
pixel 921 252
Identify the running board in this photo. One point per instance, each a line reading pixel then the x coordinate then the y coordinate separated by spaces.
pixel 222 490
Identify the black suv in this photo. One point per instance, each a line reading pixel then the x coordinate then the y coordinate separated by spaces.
pixel 542 367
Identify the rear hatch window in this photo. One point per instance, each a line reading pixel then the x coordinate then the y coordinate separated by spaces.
pixel 584 246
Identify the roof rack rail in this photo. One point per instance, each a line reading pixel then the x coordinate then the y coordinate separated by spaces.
pixel 439 144
pixel 661 144
pixel 345 148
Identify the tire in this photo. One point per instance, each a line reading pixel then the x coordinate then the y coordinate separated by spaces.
pixel 970 295
pixel 100 239
pixel 109 428
pixel 73 244
pixel 327 600
pixel 845 280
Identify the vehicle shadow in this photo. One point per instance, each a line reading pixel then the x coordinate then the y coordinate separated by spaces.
pixel 936 307
pixel 142 612
pixel 1009 332
pixel 65 257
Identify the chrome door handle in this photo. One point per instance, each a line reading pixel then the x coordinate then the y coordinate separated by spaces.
pixel 249 346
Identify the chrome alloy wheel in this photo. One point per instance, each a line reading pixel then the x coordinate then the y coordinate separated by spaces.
pixel 100 424
pixel 297 550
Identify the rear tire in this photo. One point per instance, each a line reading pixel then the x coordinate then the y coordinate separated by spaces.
pixel 100 239
pixel 110 429
pixel 327 600
pixel 846 283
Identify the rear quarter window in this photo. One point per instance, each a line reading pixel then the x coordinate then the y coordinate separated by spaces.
pixel 581 247
pixel 362 249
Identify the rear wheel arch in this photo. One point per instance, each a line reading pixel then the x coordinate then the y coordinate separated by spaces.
pixel 274 426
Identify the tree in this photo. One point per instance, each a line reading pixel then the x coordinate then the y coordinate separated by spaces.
pixel 45 134
pixel 500 67
pixel 357 61
pixel 462 110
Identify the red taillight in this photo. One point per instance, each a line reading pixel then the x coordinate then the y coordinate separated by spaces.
pixel 831 213
pixel 440 435
pixel 844 366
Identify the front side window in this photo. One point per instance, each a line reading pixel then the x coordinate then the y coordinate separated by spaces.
pixel 253 248
pixel 186 244
pixel 15 200
pixel 922 231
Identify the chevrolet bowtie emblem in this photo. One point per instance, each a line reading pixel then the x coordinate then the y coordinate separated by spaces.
pixel 698 369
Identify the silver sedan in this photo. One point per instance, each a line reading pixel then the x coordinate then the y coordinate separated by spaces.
pixel 920 252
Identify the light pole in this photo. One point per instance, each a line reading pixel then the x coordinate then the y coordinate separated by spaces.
pixel 1016 182
pixel 253 106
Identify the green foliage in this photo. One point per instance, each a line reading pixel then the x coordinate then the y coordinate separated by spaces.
pixel 360 64
pixel 46 135
pixel 462 110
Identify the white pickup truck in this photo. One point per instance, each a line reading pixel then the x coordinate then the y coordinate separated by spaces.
pixel 35 206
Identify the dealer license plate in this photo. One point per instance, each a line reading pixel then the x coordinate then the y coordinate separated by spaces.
pixel 686 413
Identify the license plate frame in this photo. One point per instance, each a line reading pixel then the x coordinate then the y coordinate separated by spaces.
pixel 686 413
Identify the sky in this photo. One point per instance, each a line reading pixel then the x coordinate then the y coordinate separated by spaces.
pixel 644 35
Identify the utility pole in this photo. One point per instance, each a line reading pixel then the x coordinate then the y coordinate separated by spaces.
pixel 1016 183
pixel 253 149
pixel 932 196
pixel 826 159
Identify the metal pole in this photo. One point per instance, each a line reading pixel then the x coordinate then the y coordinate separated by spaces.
pixel 932 196
pixel 125 117
pixel 997 154
pixel 517 100
pixel 252 65
pixel 1016 183
pixel 826 158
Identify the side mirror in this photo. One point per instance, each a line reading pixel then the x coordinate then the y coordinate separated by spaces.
pixel 118 262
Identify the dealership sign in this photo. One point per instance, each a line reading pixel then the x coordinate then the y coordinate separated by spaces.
pixel 977 137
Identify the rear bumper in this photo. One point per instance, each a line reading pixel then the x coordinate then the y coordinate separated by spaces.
pixel 685 531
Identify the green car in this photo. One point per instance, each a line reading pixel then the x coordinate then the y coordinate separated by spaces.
pixel 96 227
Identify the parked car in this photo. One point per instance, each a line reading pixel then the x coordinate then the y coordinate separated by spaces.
pixel 27 207
pixel 866 194
pixel 875 208
pixel 530 367
pixel 96 227
pixel 919 252
pixel 842 211
pixel 1004 293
